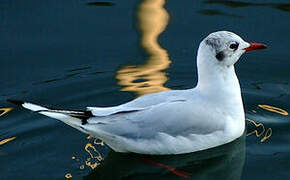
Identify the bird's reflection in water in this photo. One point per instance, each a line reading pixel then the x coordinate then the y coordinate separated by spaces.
pixel 224 162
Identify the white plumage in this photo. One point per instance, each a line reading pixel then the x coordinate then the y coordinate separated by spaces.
pixel 175 121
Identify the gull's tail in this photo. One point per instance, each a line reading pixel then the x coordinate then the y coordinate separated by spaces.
pixel 72 118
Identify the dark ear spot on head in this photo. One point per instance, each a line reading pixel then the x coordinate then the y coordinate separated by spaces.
pixel 220 56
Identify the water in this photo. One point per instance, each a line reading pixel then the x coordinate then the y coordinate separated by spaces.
pixel 71 54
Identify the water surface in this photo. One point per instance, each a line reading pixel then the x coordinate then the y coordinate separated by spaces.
pixel 70 54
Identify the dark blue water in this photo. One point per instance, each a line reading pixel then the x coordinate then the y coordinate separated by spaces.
pixel 71 54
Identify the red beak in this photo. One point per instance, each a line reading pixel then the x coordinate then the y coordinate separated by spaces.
pixel 255 46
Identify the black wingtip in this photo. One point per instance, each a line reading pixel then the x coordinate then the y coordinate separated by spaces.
pixel 17 102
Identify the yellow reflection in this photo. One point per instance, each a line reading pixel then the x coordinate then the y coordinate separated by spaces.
pixel 91 149
pixel 268 134
pixel 148 78
pixel 260 130
pixel 5 110
pixel 95 156
pixel 4 141
pixel 273 109
pixel 89 137
pixel 256 131
pixel 68 176
pixel 101 143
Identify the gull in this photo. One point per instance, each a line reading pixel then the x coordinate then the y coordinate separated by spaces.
pixel 174 121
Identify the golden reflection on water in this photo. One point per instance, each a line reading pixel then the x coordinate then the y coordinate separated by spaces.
pixel 149 77
pixel 273 109
pixel 267 135
pixel 68 176
pixel 93 158
pixel 4 141
pixel 260 130
pixel 257 132
pixel 5 110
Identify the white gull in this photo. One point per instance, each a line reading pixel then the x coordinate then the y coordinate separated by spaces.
pixel 175 121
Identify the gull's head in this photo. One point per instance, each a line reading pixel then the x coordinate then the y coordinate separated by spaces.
pixel 224 48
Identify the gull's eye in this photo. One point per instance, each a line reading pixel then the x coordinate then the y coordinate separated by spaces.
pixel 234 46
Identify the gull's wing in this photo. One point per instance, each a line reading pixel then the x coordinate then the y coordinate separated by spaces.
pixel 155 113
pixel 152 130
pixel 141 103
pixel 176 117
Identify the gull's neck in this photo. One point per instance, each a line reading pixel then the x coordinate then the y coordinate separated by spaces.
pixel 218 81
